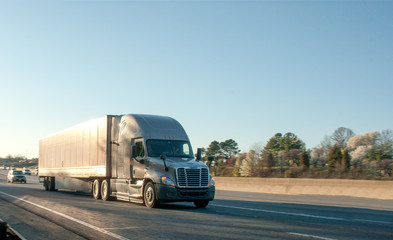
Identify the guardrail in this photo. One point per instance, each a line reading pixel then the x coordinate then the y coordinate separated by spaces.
pixel 341 187
pixel 8 233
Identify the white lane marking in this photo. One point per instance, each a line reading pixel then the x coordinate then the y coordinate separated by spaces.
pixel 302 214
pixel 278 212
pixel 70 218
pixel 310 236
pixel 120 228
pixel 371 221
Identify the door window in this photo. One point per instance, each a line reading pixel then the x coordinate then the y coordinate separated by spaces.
pixel 140 150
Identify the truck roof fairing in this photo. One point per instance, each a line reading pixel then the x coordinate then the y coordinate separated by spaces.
pixel 151 127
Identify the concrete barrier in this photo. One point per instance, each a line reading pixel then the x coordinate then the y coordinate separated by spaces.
pixel 353 188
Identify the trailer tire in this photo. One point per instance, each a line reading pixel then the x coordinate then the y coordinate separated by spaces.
pixel 46 184
pixel 150 196
pixel 105 190
pixel 201 203
pixel 96 189
pixel 51 184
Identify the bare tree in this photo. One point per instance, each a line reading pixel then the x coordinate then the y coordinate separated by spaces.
pixel 341 136
pixel 384 145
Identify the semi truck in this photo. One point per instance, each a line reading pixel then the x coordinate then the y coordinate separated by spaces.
pixel 139 158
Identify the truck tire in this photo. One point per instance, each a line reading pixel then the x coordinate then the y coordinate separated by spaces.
pixel 51 183
pixel 105 190
pixel 201 203
pixel 46 183
pixel 96 189
pixel 149 196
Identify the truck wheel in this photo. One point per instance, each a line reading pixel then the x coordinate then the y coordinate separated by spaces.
pixel 51 184
pixel 105 190
pixel 149 196
pixel 96 189
pixel 201 203
pixel 46 183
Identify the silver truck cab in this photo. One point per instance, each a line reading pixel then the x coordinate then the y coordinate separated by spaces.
pixel 159 164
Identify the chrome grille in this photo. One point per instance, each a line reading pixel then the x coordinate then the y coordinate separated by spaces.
pixel 192 177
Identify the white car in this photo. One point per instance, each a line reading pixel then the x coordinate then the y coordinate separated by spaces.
pixel 16 176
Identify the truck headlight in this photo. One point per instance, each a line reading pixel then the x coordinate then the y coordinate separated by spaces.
pixel 212 182
pixel 167 181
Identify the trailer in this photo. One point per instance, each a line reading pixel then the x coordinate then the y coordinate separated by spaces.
pixel 138 158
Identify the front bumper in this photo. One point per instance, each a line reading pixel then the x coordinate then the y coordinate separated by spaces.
pixel 167 193
pixel 18 179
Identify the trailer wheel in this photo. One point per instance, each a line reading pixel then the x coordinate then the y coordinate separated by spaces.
pixel 149 196
pixel 51 184
pixel 96 189
pixel 46 184
pixel 105 190
pixel 201 203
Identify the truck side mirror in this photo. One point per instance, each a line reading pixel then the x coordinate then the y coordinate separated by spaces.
pixel 211 159
pixel 133 151
pixel 134 155
pixel 163 157
pixel 199 154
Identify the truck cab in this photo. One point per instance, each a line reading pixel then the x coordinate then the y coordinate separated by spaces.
pixel 153 162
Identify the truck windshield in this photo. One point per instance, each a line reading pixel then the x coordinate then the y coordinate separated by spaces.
pixel 170 148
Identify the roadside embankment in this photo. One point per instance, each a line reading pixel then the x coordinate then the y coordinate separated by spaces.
pixel 339 187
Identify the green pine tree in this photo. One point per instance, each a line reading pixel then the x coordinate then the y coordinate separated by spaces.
pixel 345 163
pixel 305 159
pixel 334 157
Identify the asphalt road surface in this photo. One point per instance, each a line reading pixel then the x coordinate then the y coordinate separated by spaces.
pixel 37 214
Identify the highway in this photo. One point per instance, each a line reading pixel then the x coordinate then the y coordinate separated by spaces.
pixel 37 214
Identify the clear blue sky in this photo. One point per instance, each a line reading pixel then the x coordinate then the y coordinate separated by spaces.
pixel 225 69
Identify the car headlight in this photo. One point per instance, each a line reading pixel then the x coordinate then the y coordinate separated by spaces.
pixel 212 182
pixel 167 181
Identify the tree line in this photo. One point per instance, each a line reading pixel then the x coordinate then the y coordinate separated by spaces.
pixel 18 161
pixel 343 154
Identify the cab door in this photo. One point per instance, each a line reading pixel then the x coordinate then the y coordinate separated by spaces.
pixel 138 158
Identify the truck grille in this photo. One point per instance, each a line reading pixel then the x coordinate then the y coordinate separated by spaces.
pixel 192 177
